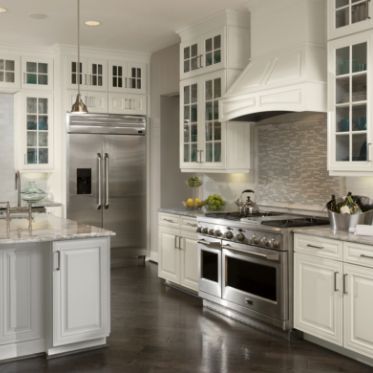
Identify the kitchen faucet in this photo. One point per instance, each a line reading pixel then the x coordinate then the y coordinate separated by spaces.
pixel 18 187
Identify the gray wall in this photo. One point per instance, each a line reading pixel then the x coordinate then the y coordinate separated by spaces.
pixel 7 192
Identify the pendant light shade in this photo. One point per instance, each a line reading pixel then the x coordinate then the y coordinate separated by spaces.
pixel 78 106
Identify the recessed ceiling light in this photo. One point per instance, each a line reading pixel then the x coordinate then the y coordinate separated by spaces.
pixel 38 16
pixel 3 10
pixel 92 23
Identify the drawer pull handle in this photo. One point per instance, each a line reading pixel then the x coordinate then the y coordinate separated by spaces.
pixel 249 301
pixel 366 256
pixel 345 284
pixel 315 247
pixel 169 220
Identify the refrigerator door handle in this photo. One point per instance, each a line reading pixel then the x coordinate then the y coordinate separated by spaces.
pixel 99 181
pixel 107 192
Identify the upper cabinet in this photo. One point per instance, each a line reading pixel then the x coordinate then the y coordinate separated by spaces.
pixel 92 73
pixel 349 16
pixel 37 73
pixel 212 55
pixel 9 72
pixel 221 42
pixel 127 77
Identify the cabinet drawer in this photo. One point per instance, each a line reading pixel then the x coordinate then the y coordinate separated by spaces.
pixel 318 246
pixel 169 220
pixel 358 254
pixel 188 224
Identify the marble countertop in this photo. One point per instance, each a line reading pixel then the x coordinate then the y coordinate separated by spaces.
pixel 47 227
pixel 182 211
pixel 326 232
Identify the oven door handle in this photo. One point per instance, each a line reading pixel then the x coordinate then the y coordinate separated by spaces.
pixel 271 257
pixel 211 245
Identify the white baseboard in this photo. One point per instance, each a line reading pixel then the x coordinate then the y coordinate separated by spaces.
pixel 19 349
pixel 153 257
pixel 76 347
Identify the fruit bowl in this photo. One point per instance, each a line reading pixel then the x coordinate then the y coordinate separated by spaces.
pixel 192 203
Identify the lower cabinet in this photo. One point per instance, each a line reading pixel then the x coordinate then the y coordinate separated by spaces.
pixel 22 295
pixel 178 257
pixel 81 291
pixel 333 299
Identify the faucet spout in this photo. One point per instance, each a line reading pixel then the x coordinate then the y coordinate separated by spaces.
pixel 18 187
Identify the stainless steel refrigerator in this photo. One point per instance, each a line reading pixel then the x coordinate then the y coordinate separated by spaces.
pixel 106 177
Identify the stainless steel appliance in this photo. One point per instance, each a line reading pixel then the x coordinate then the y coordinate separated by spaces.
pixel 106 176
pixel 245 264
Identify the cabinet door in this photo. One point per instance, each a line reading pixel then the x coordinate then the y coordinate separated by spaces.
pixel 72 74
pixel 37 73
pixel 81 290
pixel 125 103
pixel 213 48
pixel 169 254
pixel 95 77
pixel 318 297
pixel 189 261
pixel 9 72
pixel 22 297
pixel 191 58
pixel 350 119
pixel 35 128
pixel 190 143
pixel 358 309
pixel 348 16
pixel 136 77
pixel 212 129
pixel 96 102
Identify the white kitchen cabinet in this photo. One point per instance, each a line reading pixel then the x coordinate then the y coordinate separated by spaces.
pixel 22 294
pixel 37 72
pixel 358 309
pixel 207 144
pixel 221 42
pixel 9 72
pixel 96 102
pixel 350 111
pixel 34 129
pixel 126 76
pixel 333 298
pixel 348 17
pixel 125 103
pixel 317 300
pixel 178 255
pixel 92 74
pixel 81 290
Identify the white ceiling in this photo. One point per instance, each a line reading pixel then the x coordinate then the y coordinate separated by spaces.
pixel 138 25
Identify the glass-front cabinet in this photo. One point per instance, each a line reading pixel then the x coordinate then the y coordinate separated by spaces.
pixel 37 73
pixel 9 72
pixel 127 77
pixel 34 126
pixel 202 56
pixel 91 73
pixel 202 132
pixel 350 128
pixel 348 16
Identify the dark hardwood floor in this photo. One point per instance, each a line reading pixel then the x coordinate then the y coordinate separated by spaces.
pixel 159 329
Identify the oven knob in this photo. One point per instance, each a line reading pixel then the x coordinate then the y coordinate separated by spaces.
pixel 199 229
pixel 229 235
pixel 275 244
pixel 218 233
pixel 240 237
pixel 205 230
pixel 254 240
pixel 263 241
pixel 211 232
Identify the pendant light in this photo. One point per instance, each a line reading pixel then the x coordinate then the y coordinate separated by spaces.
pixel 79 106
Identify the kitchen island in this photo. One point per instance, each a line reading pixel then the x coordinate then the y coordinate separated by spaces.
pixel 54 287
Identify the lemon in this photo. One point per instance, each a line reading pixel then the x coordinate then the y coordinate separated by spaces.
pixel 190 202
pixel 197 202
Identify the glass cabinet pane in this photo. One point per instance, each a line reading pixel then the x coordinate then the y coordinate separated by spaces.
pixel 359 147
pixel 36 73
pixel 190 136
pixel 359 57
pixel 359 11
pixel 7 71
pixel 359 117
pixel 342 90
pixel 348 12
pixel 343 148
pixel 213 50
pixel 343 119
pixel 359 87
pixel 343 61
pixel 342 17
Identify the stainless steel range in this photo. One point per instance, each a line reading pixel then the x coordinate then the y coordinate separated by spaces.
pixel 245 264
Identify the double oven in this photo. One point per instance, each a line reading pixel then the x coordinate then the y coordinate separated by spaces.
pixel 248 276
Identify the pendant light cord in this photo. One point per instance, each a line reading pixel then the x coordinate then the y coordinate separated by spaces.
pixel 78 28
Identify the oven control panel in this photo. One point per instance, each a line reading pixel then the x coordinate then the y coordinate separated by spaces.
pixel 248 236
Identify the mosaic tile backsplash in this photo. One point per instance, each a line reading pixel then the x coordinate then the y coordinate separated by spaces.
pixel 292 164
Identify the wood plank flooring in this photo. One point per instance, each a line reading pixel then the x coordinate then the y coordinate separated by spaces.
pixel 159 329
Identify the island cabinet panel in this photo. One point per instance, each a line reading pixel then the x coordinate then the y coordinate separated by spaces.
pixel 22 286
pixel 81 293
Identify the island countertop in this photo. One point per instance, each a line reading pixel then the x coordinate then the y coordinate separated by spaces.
pixel 47 227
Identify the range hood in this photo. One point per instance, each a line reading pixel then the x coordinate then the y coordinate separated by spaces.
pixel 287 71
